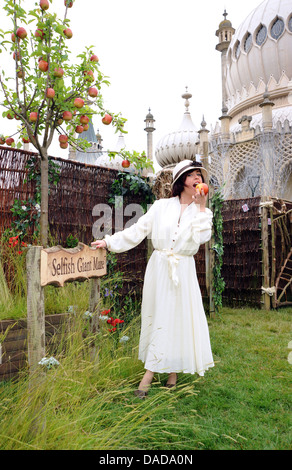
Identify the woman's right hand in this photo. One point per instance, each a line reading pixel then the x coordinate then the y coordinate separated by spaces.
pixel 99 244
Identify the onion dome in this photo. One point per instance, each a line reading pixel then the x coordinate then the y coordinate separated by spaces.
pixel 258 57
pixel 179 145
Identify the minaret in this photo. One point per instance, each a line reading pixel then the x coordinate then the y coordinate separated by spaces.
pixel 224 33
pixel 149 129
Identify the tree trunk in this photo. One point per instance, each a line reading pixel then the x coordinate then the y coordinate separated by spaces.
pixel 44 221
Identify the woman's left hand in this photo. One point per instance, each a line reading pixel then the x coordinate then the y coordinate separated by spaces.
pixel 200 198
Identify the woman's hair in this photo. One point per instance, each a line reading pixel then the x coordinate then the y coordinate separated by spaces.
pixel 179 185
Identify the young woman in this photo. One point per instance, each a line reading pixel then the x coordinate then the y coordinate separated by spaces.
pixel 174 331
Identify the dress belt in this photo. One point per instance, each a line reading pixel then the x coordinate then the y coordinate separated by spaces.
pixel 173 260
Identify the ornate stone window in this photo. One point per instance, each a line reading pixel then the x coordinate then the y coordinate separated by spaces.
pixel 237 50
pixel 290 24
pixel 261 35
pixel 277 28
pixel 247 43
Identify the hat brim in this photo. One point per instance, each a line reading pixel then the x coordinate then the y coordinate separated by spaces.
pixel 190 168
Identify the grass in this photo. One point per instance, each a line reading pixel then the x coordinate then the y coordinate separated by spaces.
pixel 87 402
pixel 243 403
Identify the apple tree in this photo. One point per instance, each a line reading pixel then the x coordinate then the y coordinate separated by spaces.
pixel 48 94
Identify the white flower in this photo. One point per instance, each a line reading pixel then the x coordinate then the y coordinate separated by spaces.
pixel 103 317
pixel 49 362
pixel 23 208
pixel 124 339
pixel 87 314
pixel 38 207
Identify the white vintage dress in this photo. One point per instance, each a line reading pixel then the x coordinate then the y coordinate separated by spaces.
pixel 174 331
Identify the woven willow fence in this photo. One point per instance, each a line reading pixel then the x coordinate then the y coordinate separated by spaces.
pixel 71 202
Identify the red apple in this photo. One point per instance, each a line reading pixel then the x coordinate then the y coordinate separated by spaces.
pixel 39 34
pixel 93 92
pixel 20 73
pixel 84 119
pixel 58 72
pixel 67 116
pixel 21 33
pixel 78 102
pixel 10 116
pixel 16 55
pixel 43 65
pixel 2 140
pixel 64 145
pixel 107 119
pixel 50 93
pixel 9 141
pixel 88 75
pixel 63 138
pixel 33 116
pixel 79 129
pixel 60 121
pixel 204 187
pixel 44 4
pixel 25 140
pixel 85 127
pixel 13 37
pixel 126 163
pixel 68 33
pixel 68 4
pixel 94 58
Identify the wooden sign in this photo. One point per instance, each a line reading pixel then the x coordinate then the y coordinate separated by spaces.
pixel 59 265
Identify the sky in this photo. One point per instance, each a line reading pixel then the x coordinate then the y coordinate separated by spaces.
pixel 150 51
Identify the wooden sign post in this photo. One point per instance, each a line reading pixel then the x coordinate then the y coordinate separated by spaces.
pixel 56 266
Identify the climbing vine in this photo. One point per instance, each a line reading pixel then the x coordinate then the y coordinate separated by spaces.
pixel 27 212
pixel 218 281
pixel 129 183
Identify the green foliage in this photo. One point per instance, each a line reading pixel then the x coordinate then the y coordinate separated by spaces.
pixel 71 241
pixel 218 281
pixel 128 183
pixel 139 160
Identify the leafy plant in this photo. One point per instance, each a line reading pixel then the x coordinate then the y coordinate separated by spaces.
pixel 218 281
pixel 129 183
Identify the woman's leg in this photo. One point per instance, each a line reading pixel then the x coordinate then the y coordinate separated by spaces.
pixel 172 378
pixel 146 381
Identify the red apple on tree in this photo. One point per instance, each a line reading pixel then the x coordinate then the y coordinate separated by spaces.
pixel 16 55
pixel 9 141
pixel 67 115
pixel 126 163
pixel 25 140
pixel 78 102
pixel 79 129
pixel 20 73
pixel 21 33
pixel 94 58
pixel 10 116
pixel 68 3
pixel 2 140
pixel 93 92
pixel 13 37
pixel 50 93
pixel 33 116
pixel 202 187
pixel 64 145
pixel 88 75
pixel 84 119
pixel 58 72
pixel 107 119
pixel 85 127
pixel 68 33
pixel 43 65
pixel 39 34
pixel 44 4
pixel 63 138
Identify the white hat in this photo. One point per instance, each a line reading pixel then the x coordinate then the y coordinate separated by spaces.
pixel 187 165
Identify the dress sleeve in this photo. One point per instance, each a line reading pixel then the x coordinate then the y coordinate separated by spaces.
pixel 131 236
pixel 202 227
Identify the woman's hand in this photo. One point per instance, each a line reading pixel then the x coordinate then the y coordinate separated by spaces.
pixel 99 244
pixel 200 198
